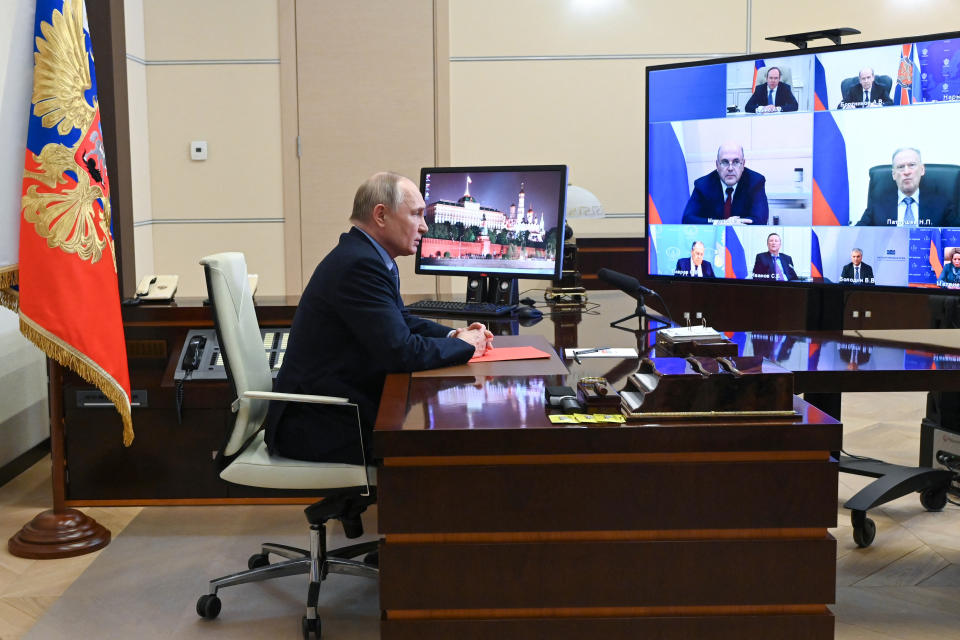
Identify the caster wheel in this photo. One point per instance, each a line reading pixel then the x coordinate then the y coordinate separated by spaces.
pixel 864 535
pixel 208 606
pixel 258 560
pixel 307 626
pixel 933 499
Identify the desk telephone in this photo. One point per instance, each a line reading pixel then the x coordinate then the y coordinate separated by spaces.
pixel 193 355
pixel 157 288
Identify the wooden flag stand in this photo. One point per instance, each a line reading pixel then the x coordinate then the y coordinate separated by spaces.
pixel 58 532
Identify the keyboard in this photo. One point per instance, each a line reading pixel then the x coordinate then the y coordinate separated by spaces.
pixel 451 307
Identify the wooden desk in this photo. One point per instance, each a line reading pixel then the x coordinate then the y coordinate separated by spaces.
pixel 498 524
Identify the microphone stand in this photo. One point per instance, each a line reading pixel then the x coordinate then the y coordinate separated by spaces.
pixel 641 312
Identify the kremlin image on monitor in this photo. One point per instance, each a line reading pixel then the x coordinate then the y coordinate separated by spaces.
pixel 486 221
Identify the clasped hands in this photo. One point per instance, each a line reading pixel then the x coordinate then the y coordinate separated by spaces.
pixel 732 220
pixel 478 335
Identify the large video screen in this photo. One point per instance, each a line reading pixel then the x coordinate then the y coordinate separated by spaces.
pixel 493 221
pixel 838 165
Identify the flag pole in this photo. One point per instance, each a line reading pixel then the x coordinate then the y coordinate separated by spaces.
pixel 59 532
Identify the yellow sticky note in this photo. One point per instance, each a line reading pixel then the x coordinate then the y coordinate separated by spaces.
pixel 610 417
pixel 584 417
pixel 562 418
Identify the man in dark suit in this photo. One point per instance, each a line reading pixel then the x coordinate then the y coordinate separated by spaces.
pixel 694 266
pixel 909 209
pixel 351 329
pixel 865 94
pixel 772 96
pixel 857 271
pixel 773 265
pixel 732 194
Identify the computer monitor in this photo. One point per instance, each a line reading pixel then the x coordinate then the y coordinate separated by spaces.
pixel 820 167
pixel 497 222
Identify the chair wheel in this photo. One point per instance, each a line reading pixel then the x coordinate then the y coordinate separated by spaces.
pixel 864 535
pixel 933 499
pixel 258 560
pixel 208 606
pixel 307 626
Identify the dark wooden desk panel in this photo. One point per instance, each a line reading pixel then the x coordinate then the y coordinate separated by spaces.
pixel 526 528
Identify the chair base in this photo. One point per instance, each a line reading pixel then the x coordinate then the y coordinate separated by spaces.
pixel 317 561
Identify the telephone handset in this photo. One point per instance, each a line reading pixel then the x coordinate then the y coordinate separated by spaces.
pixel 157 288
pixel 193 355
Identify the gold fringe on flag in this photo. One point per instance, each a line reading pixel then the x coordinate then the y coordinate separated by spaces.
pixel 82 366
pixel 9 276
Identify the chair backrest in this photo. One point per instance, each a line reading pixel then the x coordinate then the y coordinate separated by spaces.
pixel 943 179
pixel 786 75
pixel 241 343
pixel 882 82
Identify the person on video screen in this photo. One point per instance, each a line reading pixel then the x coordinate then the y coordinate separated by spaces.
pixel 950 276
pixel 857 271
pixel 772 96
pixel 910 208
pixel 865 94
pixel 773 265
pixel 732 194
pixel 694 266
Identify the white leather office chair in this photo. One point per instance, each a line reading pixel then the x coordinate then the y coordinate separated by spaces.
pixel 348 488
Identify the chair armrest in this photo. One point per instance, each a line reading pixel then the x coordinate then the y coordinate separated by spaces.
pixel 295 397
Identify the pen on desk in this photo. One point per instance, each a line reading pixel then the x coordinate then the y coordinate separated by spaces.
pixel 579 352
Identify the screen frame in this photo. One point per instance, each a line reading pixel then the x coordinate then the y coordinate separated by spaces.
pixel 561 222
pixel 840 287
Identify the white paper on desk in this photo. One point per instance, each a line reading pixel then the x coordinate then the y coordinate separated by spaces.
pixel 625 352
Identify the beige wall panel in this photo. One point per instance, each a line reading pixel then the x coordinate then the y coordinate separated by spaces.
pixel 139 140
pixel 366 103
pixel 576 27
pixel 210 29
pixel 876 19
pixel 236 109
pixel 179 248
pixel 133 27
pixel 143 241
pixel 586 114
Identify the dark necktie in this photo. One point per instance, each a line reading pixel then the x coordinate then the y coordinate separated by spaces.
pixel 866 97
pixel 776 263
pixel 728 203
pixel 395 272
pixel 770 96
pixel 856 274
pixel 908 217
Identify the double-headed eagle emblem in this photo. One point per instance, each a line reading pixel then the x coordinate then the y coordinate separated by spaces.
pixel 66 195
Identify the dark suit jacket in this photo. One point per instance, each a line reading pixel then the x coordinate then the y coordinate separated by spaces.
pixel 876 93
pixel 764 266
pixel 784 98
pixel 935 211
pixel 683 268
pixel 706 201
pixel 349 331
pixel 949 277
pixel 866 273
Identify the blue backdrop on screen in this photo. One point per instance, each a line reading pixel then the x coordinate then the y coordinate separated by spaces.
pixel 940 69
pixel 921 241
pixel 692 93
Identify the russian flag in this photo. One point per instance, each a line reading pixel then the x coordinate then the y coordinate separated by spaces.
pixel 652 260
pixel 757 65
pixel 736 259
pixel 813 356
pixel 820 102
pixel 935 262
pixel 831 193
pixel 908 76
pixel 816 263
pixel 669 190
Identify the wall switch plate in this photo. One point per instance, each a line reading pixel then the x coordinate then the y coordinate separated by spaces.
pixel 198 150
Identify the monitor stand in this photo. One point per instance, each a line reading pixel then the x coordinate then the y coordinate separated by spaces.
pixel 642 311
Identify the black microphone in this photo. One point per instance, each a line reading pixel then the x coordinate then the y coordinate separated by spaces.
pixel 628 284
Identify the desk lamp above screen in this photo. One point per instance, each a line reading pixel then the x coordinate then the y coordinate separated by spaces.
pixel 498 222
pixel 828 167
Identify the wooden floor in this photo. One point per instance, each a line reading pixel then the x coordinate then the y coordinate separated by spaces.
pixel 905 586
